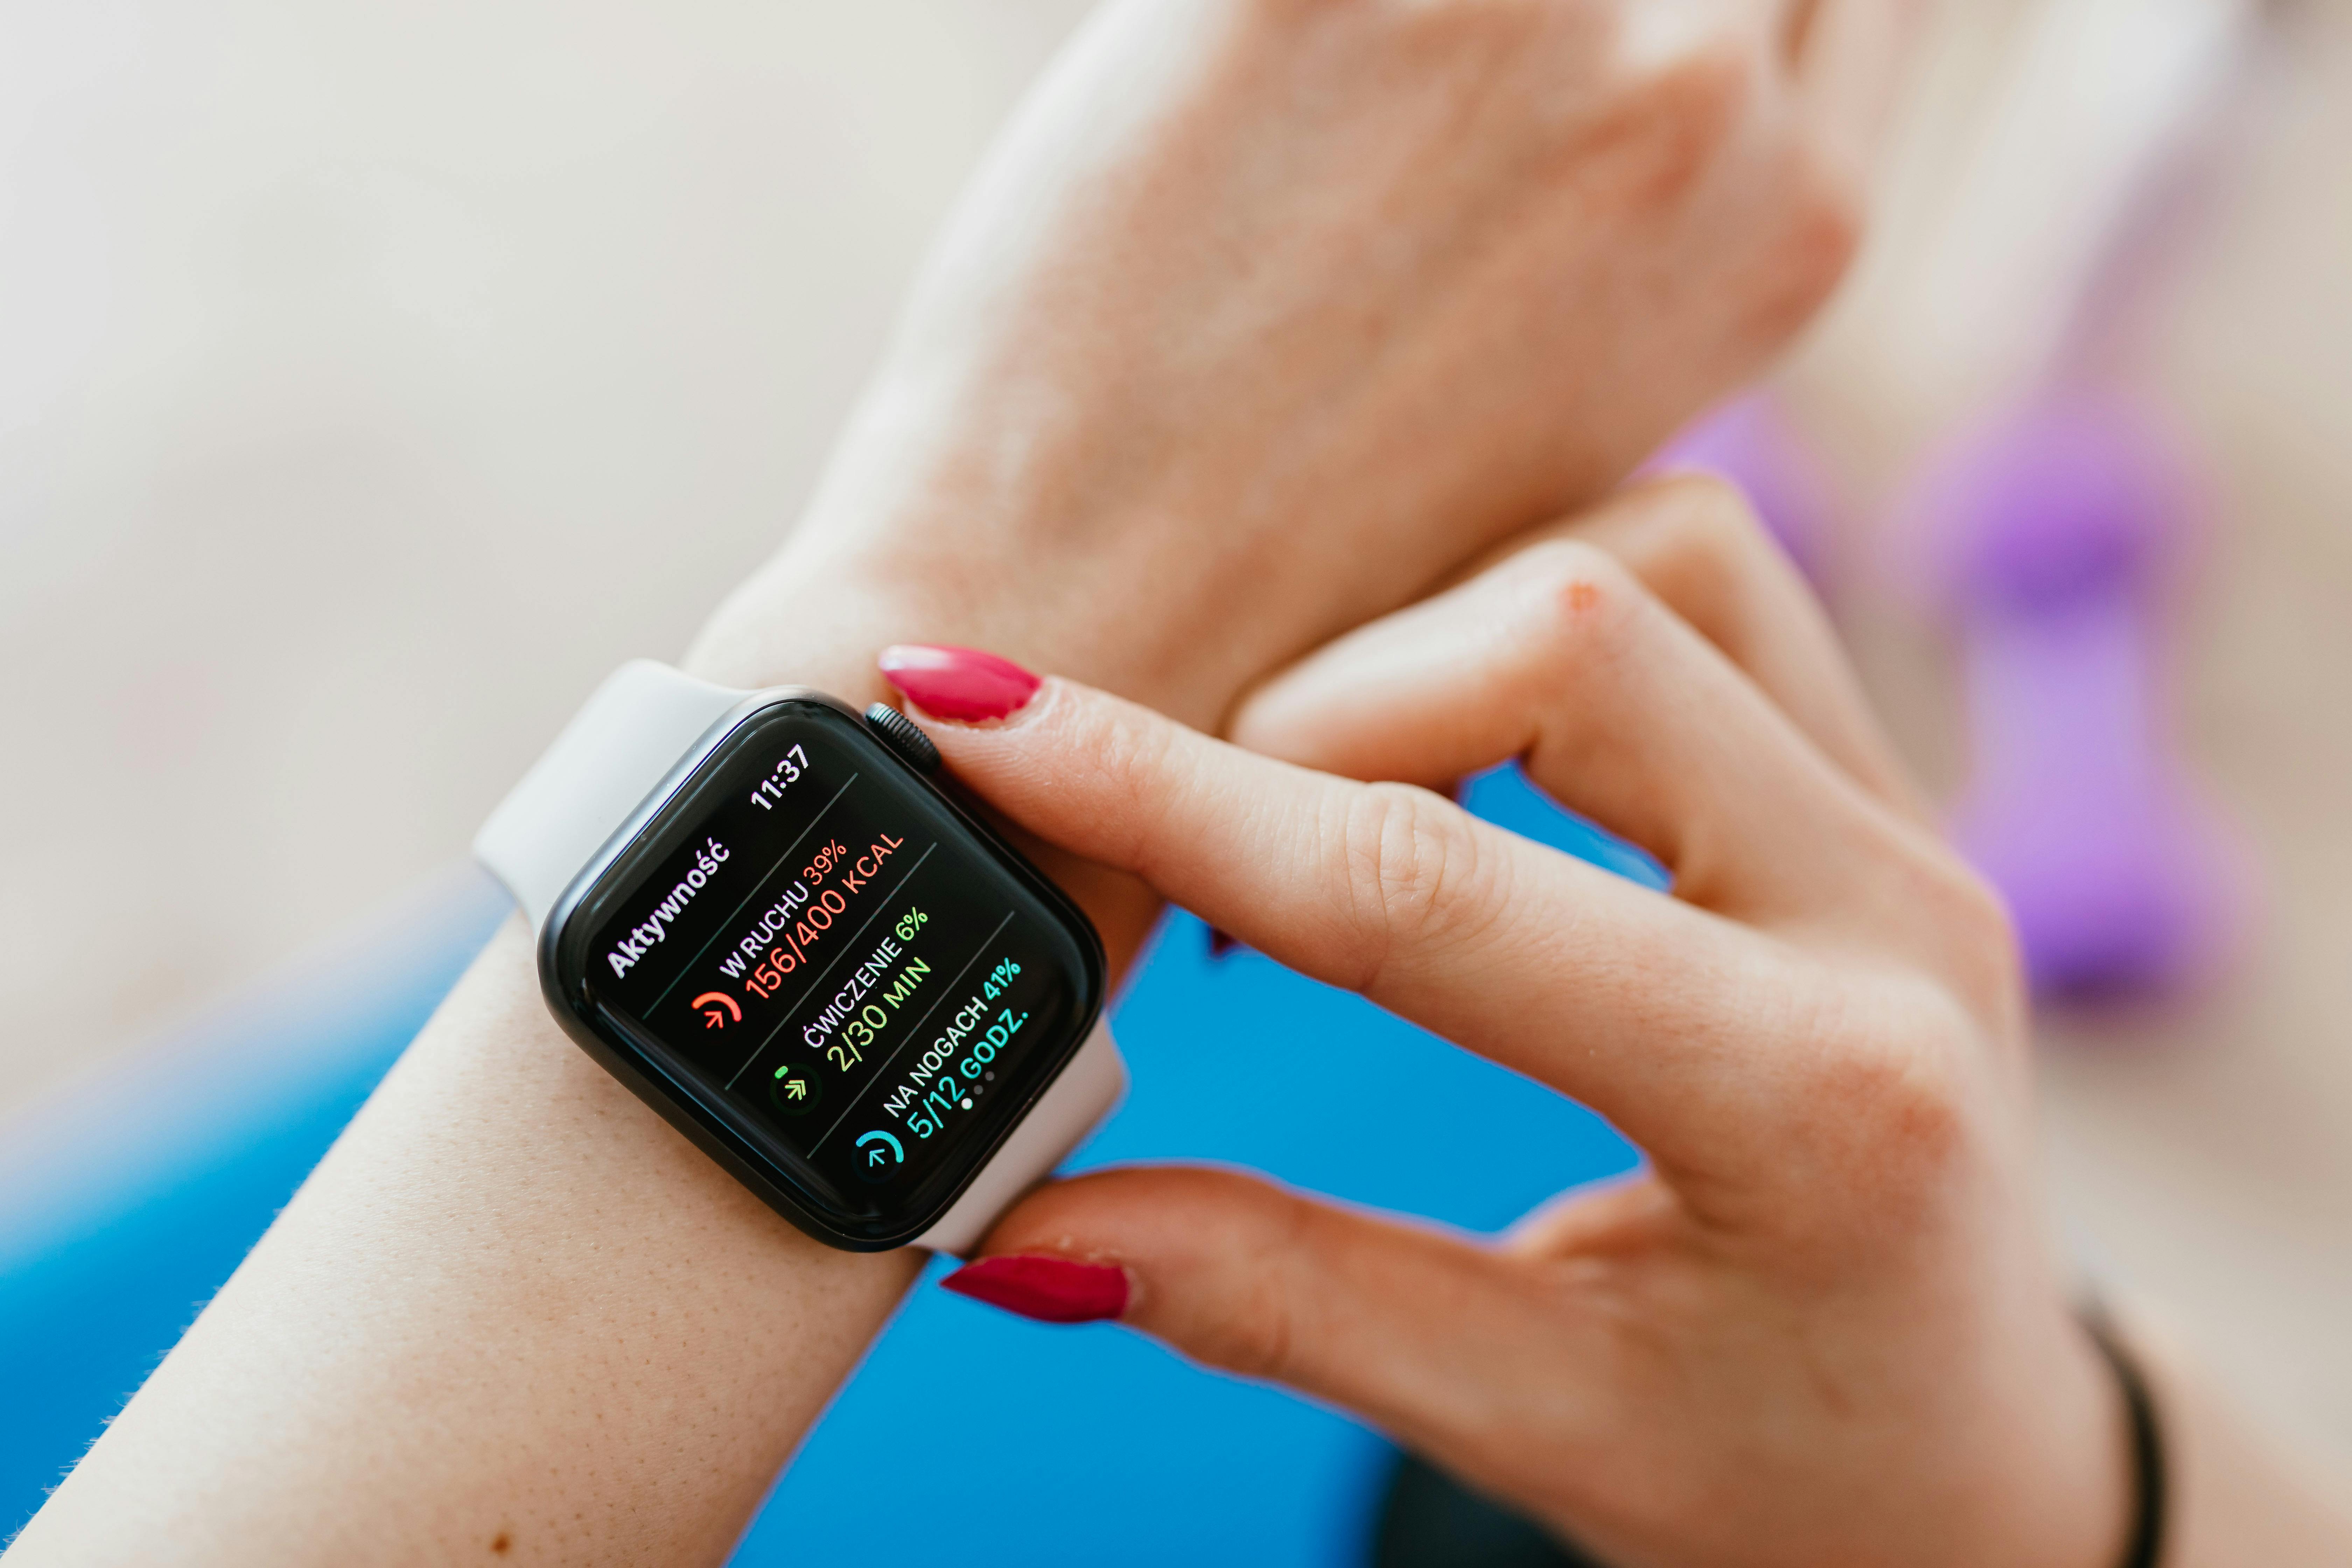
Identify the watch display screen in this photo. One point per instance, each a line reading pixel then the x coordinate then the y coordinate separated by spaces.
pixel 820 952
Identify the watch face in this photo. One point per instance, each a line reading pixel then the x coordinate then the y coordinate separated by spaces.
pixel 849 989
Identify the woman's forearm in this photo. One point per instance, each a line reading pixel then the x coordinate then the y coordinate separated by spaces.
pixel 513 1316
pixel 513 1305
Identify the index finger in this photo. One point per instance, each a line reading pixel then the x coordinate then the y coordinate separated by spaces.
pixel 1662 1016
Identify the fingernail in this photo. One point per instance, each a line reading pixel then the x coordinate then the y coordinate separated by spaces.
pixel 961 684
pixel 1050 1289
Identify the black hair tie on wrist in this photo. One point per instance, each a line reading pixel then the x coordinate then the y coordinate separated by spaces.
pixel 2149 1506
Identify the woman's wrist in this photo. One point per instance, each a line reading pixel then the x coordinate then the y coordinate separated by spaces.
pixel 819 611
pixel 600 1347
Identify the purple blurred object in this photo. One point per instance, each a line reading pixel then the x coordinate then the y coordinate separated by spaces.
pixel 1749 443
pixel 2056 532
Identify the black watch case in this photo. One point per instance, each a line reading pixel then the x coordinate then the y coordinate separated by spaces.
pixel 823 969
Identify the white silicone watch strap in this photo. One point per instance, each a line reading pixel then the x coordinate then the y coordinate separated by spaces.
pixel 622 742
pixel 608 759
pixel 1087 1090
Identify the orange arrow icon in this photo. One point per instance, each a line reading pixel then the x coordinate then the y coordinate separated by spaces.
pixel 713 1018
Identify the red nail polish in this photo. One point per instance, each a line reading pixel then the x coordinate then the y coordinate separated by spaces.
pixel 1050 1289
pixel 958 683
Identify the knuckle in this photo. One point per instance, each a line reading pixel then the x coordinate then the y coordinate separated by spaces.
pixel 1407 856
pixel 1254 1337
pixel 1832 195
pixel 1279 11
pixel 1978 945
pixel 1712 72
pixel 1949 922
pixel 1253 1334
pixel 1253 1329
pixel 1890 1117
pixel 1131 754
pixel 1584 600
pixel 1717 78
pixel 1667 122
pixel 1711 520
pixel 1821 225
pixel 1130 759
pixel 1707 545
pixel 1579 584
pixel 1910 1102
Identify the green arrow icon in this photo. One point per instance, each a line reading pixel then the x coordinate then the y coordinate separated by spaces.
pixel 792 1094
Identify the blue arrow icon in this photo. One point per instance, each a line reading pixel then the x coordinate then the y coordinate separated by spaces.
pixel 874 1160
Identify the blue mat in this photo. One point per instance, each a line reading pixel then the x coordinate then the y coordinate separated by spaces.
pixel 123 1208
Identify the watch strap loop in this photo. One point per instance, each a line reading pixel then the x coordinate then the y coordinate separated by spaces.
pixel 621 743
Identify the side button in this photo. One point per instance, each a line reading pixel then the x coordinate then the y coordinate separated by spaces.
pixel 902 735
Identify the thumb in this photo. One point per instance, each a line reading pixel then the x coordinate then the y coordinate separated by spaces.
pixel 1418 1332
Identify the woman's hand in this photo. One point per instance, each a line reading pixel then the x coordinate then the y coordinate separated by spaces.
pixel 1266 314
pixel 1823 1326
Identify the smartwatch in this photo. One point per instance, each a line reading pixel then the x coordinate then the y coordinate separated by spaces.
pixel 759 912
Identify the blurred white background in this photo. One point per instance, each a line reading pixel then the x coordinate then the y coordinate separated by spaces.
pixel 373 379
